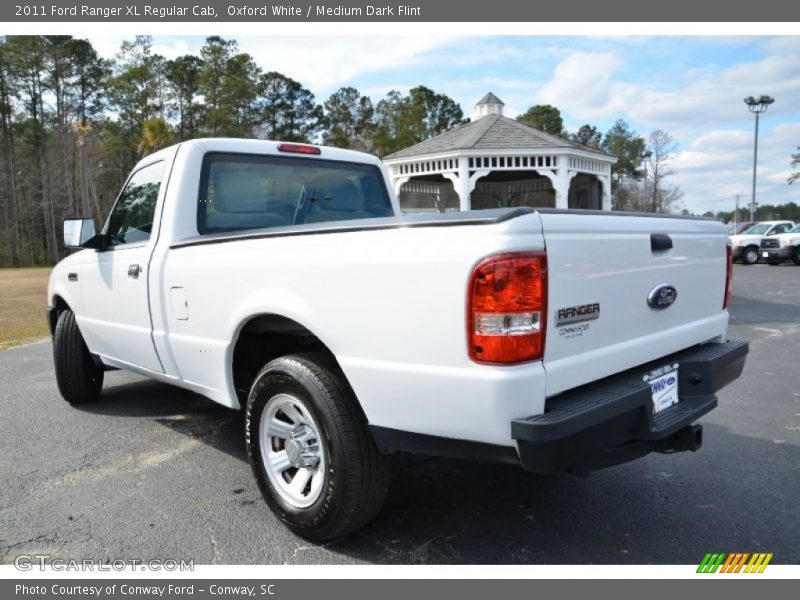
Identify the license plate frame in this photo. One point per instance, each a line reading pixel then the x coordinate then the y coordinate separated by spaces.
pixel 663 384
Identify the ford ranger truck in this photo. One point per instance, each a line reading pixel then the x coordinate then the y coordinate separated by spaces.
pixel 282 279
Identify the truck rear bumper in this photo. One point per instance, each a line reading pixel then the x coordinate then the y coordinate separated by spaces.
pixel 611 421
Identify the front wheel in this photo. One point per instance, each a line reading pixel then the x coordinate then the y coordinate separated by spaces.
pixel 750 255
pixel 313 457
pixel 78 376
pixel 796 256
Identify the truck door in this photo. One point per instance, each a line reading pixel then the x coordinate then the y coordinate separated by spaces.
pixel 114 283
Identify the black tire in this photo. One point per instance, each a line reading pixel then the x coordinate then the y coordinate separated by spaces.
pixel 356 477
pixel 79 378
pixel 796 256
pixel 750 255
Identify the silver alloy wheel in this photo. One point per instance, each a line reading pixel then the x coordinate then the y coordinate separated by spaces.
pixel 292 451
pixel 751 256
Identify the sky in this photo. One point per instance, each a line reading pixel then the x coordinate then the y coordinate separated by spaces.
pixel 691 87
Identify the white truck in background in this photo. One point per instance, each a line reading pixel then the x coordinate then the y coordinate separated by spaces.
pixel 280 278
pixel 746 245
pixel 782 247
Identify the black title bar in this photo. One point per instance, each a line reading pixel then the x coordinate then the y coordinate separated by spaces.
pixel 412 11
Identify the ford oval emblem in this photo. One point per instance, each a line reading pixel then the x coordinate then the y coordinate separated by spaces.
pixel 661 297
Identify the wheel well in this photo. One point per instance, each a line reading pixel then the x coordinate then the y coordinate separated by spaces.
pixel 264 338
pixel 59 306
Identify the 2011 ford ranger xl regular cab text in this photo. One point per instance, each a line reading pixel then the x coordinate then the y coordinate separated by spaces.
pixel 279 278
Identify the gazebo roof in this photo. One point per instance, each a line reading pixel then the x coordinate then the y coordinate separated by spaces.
pixel 492 132
pixel 490 98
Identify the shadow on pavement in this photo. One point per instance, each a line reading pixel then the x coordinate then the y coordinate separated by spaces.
pixel 181 410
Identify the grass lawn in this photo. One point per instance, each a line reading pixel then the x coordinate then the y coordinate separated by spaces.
pixel 23 302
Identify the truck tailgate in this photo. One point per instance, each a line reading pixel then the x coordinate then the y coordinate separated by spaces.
pixel 601 271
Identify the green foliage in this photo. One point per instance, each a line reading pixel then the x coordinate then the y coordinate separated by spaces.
pixel 629 148
pixel 183 75
pixel 156 134
pixel 287 110
pixel 588 135
pixel 215 54
pixel 135 89
pixel 348 120
pixel 238 95
pixel 795 164
pixel 402 121
pixel 765 212
pixel 544 117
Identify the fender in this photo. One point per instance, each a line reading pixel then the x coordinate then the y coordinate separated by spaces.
pixel 60 286
pixel 273 302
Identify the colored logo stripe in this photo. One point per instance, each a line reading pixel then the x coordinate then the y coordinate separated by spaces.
pixel 758 563
pixel 734 562
pixel 710 563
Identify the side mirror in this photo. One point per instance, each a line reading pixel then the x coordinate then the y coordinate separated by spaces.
pixel 77 232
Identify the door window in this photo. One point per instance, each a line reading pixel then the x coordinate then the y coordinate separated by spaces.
pixel 782 228
pixel 131 219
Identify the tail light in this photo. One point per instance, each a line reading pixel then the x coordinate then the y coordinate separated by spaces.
pixel 507 308
pixel 726 302
pixel 299 148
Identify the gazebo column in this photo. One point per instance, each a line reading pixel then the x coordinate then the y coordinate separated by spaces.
pixel 606 198
pixel 462 185
pixel 561 184
pixel 397 184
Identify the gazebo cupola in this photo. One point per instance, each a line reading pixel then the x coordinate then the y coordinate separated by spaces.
pixel 488 105
pixel 494 161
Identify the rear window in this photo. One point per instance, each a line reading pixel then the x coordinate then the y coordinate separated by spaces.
pixel 240 192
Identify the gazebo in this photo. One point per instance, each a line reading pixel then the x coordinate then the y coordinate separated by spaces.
pixel 494 161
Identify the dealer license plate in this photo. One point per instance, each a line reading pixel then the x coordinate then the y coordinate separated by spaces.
pixel 765 254
pixel 663 386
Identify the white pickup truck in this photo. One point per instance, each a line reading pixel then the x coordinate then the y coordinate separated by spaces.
pixel 281 278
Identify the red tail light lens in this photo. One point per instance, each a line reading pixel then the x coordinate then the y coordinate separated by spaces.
pixel 726 302
pixel 507 308
pixel 299 148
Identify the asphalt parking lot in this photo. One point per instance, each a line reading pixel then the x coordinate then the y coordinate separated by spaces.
pixel 155 472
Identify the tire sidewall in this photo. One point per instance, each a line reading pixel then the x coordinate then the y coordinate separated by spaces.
pixel 279 379
pixel 78 377
pixel 747 252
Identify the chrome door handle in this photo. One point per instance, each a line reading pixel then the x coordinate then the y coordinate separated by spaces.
pixel 134 270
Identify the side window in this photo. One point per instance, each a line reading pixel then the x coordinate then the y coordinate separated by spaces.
pixel 241 192
pixel 131 219
pixel 783 228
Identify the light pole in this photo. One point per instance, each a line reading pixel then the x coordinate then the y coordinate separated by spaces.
pixel 646 155
pixel 756 106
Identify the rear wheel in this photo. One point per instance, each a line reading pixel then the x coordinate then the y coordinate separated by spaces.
pixel 314 459
pixel 796 256
pixel 750 255
pixel 79 378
